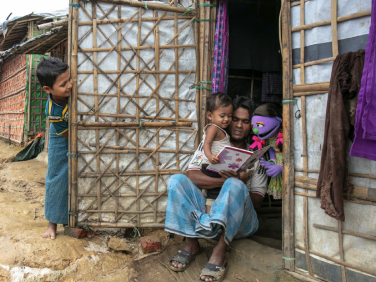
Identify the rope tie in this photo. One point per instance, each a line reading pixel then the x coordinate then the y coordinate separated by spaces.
pixel 187 11
pixel 141 126
pixel 204 20
pixel 201 87
pixel 290 101
pixel 74 5
pixel 207 5
pixel 85 1
pixel 72 155
pixel 288 259
pixel 206 82
pixel 146 6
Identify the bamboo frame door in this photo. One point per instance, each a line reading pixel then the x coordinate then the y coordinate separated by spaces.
pixel 133 113
pixel 317 247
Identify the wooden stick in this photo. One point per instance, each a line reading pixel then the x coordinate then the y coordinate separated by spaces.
pixel 52 24
pixel 304 140
pixel 122 225
pixel 334 28
pixel 298 94
pixel 318 62
pixel 347 232
pixel 133 124
pixel 298 3
pixel 288 150
pixel 151 6
pixel 339 19
pixel 73 123
pixel 339 262
pixel 320 86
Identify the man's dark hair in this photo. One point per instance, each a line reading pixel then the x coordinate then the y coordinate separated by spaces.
pixel 245 103
pixel 269 110
pixel 49 69
pixel 216 100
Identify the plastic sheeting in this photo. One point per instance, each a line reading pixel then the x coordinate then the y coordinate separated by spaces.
pixel 168 139
pixel 359 218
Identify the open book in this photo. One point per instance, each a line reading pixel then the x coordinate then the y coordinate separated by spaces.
pixel 236 159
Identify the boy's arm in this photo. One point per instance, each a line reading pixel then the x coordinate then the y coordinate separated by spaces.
pixel 211 134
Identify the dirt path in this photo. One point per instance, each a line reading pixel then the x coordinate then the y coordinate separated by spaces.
pixel 26 256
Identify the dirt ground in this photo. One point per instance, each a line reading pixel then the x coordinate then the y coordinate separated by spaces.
pixel 26 256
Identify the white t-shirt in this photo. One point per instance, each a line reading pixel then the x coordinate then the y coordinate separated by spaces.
pixel 257 183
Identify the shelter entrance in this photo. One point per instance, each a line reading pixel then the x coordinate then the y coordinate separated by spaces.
pixel 255 71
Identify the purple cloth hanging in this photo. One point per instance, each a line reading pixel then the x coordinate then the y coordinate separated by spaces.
pixel 365 122
pixel 221 47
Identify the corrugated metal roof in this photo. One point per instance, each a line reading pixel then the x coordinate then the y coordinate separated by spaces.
pixel 40 44
pixel 16 29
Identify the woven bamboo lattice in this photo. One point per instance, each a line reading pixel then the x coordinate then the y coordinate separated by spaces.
pixel 303 230
pixel 133 113
pixel 36 98
pixel 12 98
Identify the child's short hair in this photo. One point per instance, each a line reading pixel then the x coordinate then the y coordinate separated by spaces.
pixel 49 69
pixel 216 100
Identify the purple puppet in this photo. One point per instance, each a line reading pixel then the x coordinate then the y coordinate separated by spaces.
pixel 267 127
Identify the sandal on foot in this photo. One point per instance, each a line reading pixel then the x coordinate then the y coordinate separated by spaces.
pixel 215 271
pixel 183 257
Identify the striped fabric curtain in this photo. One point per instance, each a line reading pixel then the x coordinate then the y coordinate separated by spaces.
pixel 221 47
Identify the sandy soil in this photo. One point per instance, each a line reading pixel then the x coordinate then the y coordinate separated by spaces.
pixel 26 256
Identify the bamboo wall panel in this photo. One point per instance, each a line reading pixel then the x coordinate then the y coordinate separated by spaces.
pixel 350 245
pixel 12 98
pixel 35 98
pixel 133 112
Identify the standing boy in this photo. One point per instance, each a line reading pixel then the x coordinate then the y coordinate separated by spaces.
pixel 55 79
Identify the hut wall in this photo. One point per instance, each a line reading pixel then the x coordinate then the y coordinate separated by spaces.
pixel 36 98
pixel 324 247
pixel 13 77
pixel 133 114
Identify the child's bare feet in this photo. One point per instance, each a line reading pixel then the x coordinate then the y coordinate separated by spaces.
pixel 51 231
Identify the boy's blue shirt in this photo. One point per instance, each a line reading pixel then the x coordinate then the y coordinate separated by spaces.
pixel 58 115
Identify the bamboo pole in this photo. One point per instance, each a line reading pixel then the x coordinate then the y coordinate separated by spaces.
pixel 313 63
pixel 339 262
pixel 146 19
pixel 299 94
pixel 319 86
pixel 134 124
pixel 52 24
pixel 157 53
pixel 339 19
pixel 176 86
pixel 122 225
pixel 151 6
pixel 304 140
pixel 347 232
pixel 73 124
pixel 197 80
pixel 288 151
pixel 129 48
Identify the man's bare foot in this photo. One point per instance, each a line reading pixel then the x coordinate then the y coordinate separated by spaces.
pixel 192 246
pixel 218 256
pixel 51 231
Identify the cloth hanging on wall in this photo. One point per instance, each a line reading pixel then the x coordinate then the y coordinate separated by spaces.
pixel 271 90
pixel 221 50
pixel 344 86
pixel 365 124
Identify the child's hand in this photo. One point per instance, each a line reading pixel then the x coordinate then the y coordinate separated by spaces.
pixel 214 159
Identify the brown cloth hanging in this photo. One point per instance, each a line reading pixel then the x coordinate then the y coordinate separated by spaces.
pixel 339 123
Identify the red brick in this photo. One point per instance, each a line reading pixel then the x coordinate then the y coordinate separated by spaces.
pixel 151 244
pixel 74 232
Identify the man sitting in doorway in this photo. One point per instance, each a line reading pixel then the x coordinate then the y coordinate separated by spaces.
pixel 232 214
